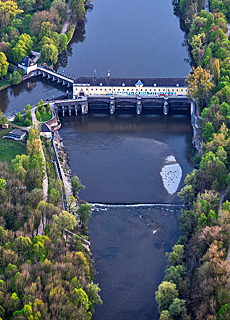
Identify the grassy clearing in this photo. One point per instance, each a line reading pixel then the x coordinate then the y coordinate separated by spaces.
pixel 19 124
pixel 45 116
pixel 10 148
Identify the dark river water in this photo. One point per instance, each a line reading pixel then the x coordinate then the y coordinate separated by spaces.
pixel 133 162
pixel 119 158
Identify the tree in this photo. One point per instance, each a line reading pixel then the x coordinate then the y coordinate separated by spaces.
pixel 16 78
pixel 71 204
pixel 84 212
pixel 2 184
pixel 65 221
pixel 3 65
pixel 8 12
pixel 76 186
pixel 208 131
pixel 165 315
pixel 165 295
pixel 45 30
pixel 3 119
pixel 177 308
pixel 175 257
pixel 216 70
pixel 199 84
pixel 49 52
pixel 62 41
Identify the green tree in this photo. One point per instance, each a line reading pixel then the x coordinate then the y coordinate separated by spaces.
pixel 177 308
pixel 176 256
pixel 2 184
pixel 165 315
pixel 165 295
pixel 49 52
pixel 16 78
pixel 76 186
pixel 3 64
pixel 65 221
pixel 84 212
pixel 62 41
pixel 45 30
pixel 208 131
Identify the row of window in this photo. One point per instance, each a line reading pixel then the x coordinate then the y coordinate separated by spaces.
pixel 146 90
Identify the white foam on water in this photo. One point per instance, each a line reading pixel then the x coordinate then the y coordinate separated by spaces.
pixel 171 175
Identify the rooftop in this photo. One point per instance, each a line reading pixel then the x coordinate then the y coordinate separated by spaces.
pixel 45 128
pixel 149 82
pixel 27 62
pixel 17 132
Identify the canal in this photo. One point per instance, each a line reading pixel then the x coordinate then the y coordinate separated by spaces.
pixel 121 158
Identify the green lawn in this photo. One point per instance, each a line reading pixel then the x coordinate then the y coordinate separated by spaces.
pixel 10 148
pixel 45 116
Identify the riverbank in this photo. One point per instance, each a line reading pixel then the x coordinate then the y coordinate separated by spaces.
pixel 202 251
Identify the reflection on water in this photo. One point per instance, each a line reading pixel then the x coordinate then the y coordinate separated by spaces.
pixel 31 91
pixel 138 40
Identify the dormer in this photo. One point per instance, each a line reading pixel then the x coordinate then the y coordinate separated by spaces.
pixel 139 84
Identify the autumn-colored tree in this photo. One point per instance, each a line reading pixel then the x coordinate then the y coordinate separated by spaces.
pixel 216 71
pixel 8 12
pixel 199 84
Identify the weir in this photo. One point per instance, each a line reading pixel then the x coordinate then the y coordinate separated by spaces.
pixel 113 103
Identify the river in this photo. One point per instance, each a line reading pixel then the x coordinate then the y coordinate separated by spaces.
pixel 121 157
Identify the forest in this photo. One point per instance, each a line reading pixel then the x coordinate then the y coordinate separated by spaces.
pixel 46 271
pixel 197 278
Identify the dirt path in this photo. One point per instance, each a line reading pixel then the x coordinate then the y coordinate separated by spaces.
pixel 67 20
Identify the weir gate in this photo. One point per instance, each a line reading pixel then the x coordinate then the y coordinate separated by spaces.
pixel 138 104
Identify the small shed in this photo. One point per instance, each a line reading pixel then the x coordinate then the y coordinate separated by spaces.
pixel 16 134
pixel 46 131
pixel 27 64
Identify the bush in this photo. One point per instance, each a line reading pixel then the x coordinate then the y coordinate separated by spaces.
pixel 21 72
pixel 16 78
pixel 28 123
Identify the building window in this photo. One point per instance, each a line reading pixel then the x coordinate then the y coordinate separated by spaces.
pixel 172 89
pixel 163 89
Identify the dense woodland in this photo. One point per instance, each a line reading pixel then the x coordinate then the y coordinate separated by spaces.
pixel 44 272
pixel 37 25
pixel 197 279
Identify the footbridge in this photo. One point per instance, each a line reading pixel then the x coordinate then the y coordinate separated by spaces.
pixel 111 103
pixel 55 76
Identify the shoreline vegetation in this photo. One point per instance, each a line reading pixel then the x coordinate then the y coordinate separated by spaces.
pixel 46 26
pixel 197 278
pixel 46 267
